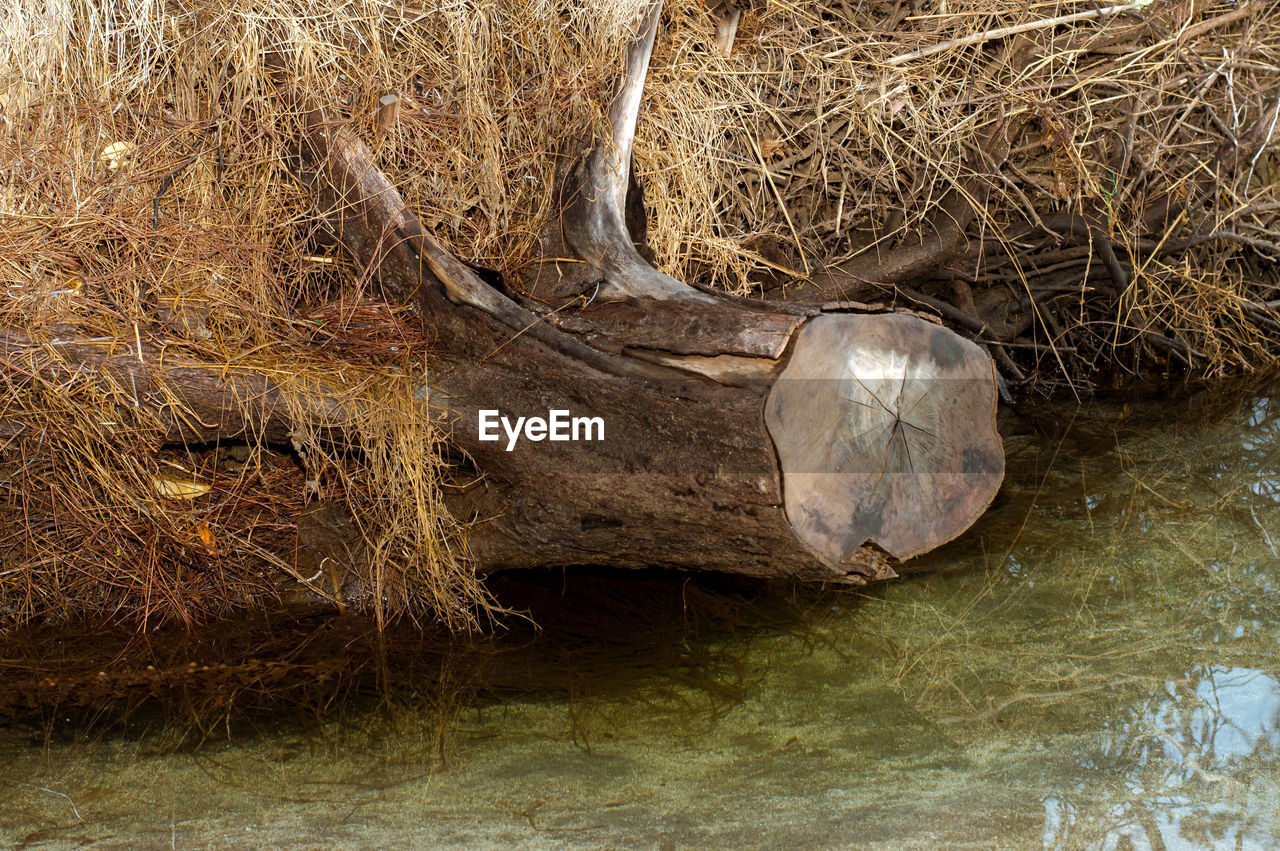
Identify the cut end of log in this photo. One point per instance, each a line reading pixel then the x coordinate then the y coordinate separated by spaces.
pixel 885 430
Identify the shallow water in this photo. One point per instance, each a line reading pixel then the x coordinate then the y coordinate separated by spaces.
pixel 1096 665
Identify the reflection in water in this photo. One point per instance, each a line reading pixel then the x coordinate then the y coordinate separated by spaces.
pixel 1210 727
pixel 1096 665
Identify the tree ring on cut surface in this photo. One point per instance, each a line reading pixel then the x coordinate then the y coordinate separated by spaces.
pixel 886 433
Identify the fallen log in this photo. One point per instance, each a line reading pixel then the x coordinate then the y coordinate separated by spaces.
pixel 603 412
pixel 761 438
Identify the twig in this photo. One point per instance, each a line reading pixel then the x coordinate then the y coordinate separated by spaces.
pixel 1265 140
pixel 64 795
pixel 1004 32
pixel 1245 9
pixel 958 315
pixel 1002 358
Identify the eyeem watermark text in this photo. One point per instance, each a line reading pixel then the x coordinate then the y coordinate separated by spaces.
pixel 557 425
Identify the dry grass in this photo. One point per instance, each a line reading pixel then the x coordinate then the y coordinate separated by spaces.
pixel 807 147
pixel 146 194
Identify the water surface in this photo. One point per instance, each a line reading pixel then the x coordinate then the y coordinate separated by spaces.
pixel 1096 665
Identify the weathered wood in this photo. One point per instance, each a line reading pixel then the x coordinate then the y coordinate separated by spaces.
pixel 694 470
pixel 885 427
pixel 727 30
pixel 388 111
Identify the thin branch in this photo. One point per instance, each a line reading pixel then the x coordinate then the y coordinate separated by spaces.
pixel 610 163
pixel 1005 32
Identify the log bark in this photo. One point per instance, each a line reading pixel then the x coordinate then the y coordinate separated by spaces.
pixel 193 402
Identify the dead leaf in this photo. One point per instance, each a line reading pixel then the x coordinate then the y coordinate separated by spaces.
pixel 770 146
pixel 178 489
pixel 117 154
pixel 206 537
